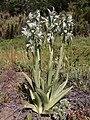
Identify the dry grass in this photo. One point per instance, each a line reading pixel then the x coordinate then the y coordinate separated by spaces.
pixel 8 59
pixel 10 26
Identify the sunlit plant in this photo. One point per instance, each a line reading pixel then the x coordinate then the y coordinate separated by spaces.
pixel 79 74
pixel 61 109
pixel 43 94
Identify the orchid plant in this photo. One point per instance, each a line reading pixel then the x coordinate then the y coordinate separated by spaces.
pixel 43 94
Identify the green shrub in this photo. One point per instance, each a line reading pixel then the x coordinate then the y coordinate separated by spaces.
pixel 11 26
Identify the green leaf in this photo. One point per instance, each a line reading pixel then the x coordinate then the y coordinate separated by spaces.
pixel 56 98
pixel 42 83
pixel 28 79
pixel 61 94
pixel 48 112
pixel 43 96
pixel 48 93
pixel 50 69
pixel 29 117
pixel 59 63
pixel 31 106
pixel 37 74
pixel 38 103
pixel 58 89
pixel 32 94
pixel 50 75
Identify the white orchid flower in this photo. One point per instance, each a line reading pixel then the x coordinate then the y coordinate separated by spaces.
pixel 65 31
pixel 70 18
pixel 64 24
pixel 27 45
pixel 24 31
pixel 30 15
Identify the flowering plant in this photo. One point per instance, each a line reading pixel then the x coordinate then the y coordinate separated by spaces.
pixel 43 94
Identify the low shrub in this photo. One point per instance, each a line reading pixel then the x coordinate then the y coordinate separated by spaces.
pixel 11 26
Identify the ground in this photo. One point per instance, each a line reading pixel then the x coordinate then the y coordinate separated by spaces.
pixel 11 107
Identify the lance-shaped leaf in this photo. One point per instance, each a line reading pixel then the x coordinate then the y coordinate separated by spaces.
pixel 59 63
pixel 42 83
pixel 32 94
pixel 56 98
pixel 30 106
pixel 58 89
pixel 50 70
pixel 28 79
pixel 29 117
pixel 37 74
pixel 38 102
pixel 43 96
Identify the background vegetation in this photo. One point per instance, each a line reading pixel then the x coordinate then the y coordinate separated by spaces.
pixel 14 49
pixel 80 10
